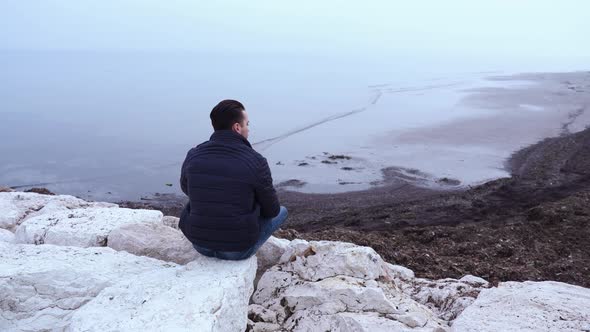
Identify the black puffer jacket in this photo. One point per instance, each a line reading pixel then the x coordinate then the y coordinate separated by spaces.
pixel 229 186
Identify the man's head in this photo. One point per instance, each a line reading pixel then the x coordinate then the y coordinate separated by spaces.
pixel 230 115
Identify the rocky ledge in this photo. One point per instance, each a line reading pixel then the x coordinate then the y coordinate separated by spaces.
pixel 71 265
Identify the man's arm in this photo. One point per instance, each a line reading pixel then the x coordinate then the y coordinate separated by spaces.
pixel 266 195
pixel 183 179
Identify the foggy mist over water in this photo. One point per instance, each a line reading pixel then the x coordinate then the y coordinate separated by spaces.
pixel 117 92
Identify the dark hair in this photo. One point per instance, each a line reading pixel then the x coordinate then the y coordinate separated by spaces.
pixel 226 113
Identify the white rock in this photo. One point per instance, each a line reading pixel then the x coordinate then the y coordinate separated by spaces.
pixel 399 272
pixel 171 221
pixel 411 321
pixel 258 313
pixel 40 286
pixel 6 236
pixel 206 295
pixel 264 327
pixel 475 281
pixel 58 288
pixel 270 253
pixel 153 240
pixel 295 247
pixel 528 306
pixel 336 294
pixel 87 227
pixel 323 259
pixel 15 207
pixel 309 321
pixel 446 297
pixel 270 288
pixel 337 286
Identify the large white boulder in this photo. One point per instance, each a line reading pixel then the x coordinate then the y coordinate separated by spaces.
pixel 528 306
pixel 6 235
pixel 41 286
pixel 15 207
pixel 322 259
pixel 335 286
pixel 153 240
pixel 208 294
pixel 59 288
pixel 87 227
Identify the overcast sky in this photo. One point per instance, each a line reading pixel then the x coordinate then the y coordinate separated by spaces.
pixel 523 27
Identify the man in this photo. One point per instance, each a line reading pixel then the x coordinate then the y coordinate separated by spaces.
pixel 233 207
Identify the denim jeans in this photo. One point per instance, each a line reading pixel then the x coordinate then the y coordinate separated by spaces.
pixel 267 227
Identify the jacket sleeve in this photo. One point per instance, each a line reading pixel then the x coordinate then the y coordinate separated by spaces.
pixel 183 179
pixel 266 195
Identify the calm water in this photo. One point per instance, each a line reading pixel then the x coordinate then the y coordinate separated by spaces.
pixel 117 125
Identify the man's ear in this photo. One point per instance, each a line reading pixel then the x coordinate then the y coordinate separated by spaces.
pixel 236 127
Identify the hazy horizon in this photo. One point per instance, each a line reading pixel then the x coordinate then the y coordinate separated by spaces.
pixel 458 27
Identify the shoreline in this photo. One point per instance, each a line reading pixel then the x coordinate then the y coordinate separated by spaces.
pixel 438 136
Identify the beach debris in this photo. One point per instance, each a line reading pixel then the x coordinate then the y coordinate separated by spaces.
pixel 448 181
pixel 342 183
pixel 339 157
pixel 292 183
pixel 42 191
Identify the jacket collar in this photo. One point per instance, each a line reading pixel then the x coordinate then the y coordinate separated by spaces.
pixel 229 136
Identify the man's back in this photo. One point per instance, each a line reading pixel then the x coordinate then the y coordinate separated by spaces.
pixel 229 187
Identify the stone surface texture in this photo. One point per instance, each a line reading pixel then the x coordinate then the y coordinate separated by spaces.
pixel 87 227
pixel 528 306
pixel 153 240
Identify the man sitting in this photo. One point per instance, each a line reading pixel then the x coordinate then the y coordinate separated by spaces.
pixel 233 207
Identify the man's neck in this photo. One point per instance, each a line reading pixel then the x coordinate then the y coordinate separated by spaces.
pixel 229 136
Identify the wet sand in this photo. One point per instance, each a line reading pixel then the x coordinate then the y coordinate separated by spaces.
pixel 486 124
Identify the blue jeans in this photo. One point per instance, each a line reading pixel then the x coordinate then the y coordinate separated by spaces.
pixel 267 227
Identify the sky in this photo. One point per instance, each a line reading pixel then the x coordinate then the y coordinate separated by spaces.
pixel 496 27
